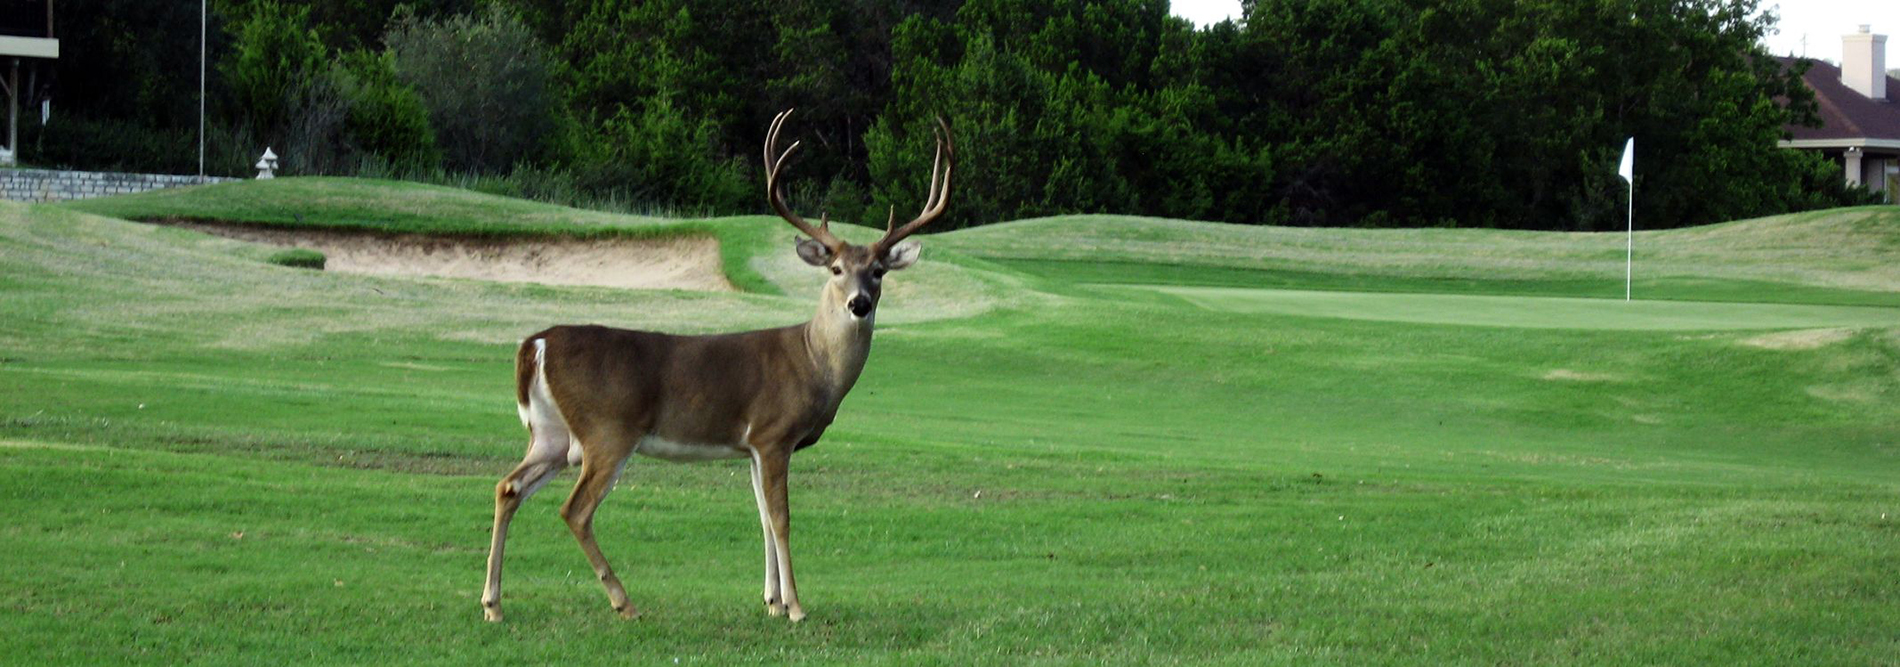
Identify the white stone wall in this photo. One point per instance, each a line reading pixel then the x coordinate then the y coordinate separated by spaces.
pixel 44 185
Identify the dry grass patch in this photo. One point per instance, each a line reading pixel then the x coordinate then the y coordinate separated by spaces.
pixel 1567 375
pixel 1848 392
pixel 1806 339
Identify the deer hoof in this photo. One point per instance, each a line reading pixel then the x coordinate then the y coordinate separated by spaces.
pixel 491 614
pixel 795 614
pixel 628 612
pixel 775 608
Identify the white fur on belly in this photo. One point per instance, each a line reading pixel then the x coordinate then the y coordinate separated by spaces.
pixel 662 448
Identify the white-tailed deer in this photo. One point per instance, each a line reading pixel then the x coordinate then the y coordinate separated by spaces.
pixel 593 395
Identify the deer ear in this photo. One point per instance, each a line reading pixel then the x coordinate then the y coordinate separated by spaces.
pixel 902 255
pixel 813 252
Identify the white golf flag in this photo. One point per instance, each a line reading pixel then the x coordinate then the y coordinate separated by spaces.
pixel 1628 168
pixel 1628 171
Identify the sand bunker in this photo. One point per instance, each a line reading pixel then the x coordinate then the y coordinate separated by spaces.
pixel 687 262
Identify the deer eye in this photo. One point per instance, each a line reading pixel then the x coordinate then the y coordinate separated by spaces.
pixel 836 271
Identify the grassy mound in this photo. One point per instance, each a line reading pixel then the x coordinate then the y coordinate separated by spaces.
pixel 411 208
pixel 1839 256
pixel 755 250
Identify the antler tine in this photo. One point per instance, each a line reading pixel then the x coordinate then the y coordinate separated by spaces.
pixel 939 195
pixel 930 200
pixel 775 193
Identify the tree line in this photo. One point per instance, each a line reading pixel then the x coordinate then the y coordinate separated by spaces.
pixel 1493 113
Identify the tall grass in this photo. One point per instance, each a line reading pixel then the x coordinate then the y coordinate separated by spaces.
pixel 551 185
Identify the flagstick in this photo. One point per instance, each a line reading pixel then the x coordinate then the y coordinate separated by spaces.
pixel 1629 261
pixel 1628 171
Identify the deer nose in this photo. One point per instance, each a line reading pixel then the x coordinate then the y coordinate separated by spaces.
pixel 860 305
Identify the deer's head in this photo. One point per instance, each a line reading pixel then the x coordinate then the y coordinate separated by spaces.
pixel 857 272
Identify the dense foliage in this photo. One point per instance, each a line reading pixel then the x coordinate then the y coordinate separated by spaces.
pixel 1499 113
pixel 486 82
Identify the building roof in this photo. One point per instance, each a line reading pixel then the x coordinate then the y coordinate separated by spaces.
pixel 1847 117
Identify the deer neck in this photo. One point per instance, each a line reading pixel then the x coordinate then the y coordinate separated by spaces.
pixel 838 343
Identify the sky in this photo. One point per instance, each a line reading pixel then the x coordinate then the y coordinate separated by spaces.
pixel 1822 22
pixel 1206 12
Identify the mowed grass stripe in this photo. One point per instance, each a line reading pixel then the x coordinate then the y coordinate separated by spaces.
pixel 1525 311
pixel 121 555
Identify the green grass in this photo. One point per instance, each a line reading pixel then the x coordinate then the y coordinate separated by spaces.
pixel 302 258
pixel 1063 273
pixel 1843 257
pixel 217 460
pixel 1527 312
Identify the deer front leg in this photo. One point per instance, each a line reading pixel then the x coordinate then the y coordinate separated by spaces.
pixel 774 604
pixel 773 470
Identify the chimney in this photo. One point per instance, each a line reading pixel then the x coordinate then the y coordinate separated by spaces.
pixel 1864 62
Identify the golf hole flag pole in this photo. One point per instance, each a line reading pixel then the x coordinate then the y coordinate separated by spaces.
pixel 1628 171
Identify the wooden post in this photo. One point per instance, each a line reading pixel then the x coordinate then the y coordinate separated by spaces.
pixel 13 111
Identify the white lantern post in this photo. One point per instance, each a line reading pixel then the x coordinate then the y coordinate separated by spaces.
pixel 266 165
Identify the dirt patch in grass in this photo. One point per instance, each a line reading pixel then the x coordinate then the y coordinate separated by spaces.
pixel 1847 392
pixel 1806 339
pixel 685 262
pixel 1567 375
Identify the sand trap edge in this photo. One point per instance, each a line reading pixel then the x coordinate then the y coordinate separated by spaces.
pixel 689 262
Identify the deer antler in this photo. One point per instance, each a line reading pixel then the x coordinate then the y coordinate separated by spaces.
pixel 776 194
pixel 939 191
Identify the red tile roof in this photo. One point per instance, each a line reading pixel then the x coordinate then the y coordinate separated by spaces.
pixel 1846 114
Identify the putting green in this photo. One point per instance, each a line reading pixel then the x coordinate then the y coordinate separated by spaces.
pixel 1526 311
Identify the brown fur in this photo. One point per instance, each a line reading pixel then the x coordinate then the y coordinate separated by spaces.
pixel 760 394
pixel 524 369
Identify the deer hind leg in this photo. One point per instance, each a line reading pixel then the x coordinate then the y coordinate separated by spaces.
pixel 774 603
pixel 598 472
pixel 547 456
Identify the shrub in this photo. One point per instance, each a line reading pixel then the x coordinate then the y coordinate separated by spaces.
pixel 302 258
pixel 285 92
pixel 847 201
pixel 486 83
pixel 76 142
pixel 387 118
pixel 271 63
pixel 316 140
pixel 658 155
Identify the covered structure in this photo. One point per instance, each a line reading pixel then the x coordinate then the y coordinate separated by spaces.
pixel 1860 115
pixel 22 35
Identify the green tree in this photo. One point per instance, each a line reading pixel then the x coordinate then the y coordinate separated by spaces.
pixel 1511 114
pixel 387 118
pixel 270 69
pixel 659 155
pixel 1039 134
pixel 486 82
